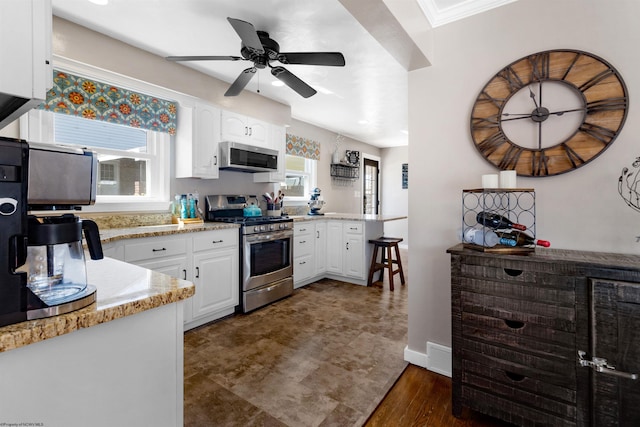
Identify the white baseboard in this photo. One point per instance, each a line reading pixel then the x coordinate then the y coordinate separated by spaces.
pixel 439 358
pixel 415 357
pixel 436 359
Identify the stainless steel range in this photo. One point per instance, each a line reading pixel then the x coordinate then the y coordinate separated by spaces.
pixel 266 249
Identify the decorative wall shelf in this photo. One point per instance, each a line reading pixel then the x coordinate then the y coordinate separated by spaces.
pixel 342 171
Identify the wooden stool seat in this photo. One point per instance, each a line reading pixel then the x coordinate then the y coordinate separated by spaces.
pixel 387 260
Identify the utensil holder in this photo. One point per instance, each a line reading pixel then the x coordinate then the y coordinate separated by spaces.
pixel 274 209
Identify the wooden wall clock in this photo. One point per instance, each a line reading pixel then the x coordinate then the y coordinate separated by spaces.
pixel 549 113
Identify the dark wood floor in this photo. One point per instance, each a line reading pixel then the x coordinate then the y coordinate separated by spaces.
pixel 423 398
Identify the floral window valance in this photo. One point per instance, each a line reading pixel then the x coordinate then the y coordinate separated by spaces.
pixel 303 147
pixel 91 99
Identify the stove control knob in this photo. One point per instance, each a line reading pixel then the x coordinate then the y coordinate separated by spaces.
pixel 263 228
pixel 256 228
pixel 272 227
pixel 281 226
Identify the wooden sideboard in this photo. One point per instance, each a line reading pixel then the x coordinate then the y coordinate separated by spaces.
pixel 530 332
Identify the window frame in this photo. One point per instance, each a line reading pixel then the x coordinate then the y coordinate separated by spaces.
pixel 37 126
pixel 311 171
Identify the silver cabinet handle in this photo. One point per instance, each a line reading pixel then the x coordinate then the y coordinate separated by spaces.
pixel 600 365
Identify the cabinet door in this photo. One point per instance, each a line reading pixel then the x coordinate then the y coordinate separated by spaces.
pixel 174 267
pixel 234 127
pixel 334 247
pixel 354 256
pixel 258 133
pixel 277 141
pixel 321 247
pixel 616 338
pixel 216 278
pixel 205 143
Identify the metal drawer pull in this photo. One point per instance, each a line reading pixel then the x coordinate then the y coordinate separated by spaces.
pixel 159 250
pixel 513 273
pixel 513 324
pixel 600 365
pixel 217 241
pixel 197 272
pixel 303 262
pixel 302 241
pixel 184 274
pixel 514 377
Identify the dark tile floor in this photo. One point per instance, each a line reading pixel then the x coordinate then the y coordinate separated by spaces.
pixel 325 356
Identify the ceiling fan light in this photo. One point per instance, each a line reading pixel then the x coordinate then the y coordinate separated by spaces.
pixel 277 83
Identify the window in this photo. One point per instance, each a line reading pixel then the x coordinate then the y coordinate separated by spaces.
pixel 133 163
pixel 300 178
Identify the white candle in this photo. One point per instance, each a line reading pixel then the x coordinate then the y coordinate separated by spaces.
pixel 490 181
pixel 508 179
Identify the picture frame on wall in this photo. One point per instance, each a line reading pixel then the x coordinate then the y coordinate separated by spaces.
pixel 405 176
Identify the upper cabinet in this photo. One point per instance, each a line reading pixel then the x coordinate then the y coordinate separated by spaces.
pixel 197 141
pixel 25 48
pixel 239 128
pixel 277 141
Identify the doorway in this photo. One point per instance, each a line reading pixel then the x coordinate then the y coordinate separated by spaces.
pixel 370 183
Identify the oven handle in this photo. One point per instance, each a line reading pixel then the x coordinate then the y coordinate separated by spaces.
pixel 263 237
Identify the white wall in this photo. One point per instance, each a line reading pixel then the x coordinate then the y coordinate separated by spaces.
pixel 345 198
pixel 395 199
pixel 577 210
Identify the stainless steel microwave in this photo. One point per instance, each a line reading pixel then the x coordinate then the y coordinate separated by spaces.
pixel 247 158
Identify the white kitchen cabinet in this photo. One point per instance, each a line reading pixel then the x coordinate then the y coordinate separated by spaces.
pixel 197 141
pixel 335 247
pixel 303 253
pixel 26 73
pixel 215 275
pixel 320 247
pixel 239 128
pixel 277 141
pixel 354 261
pixel 348 251
pixel 210 259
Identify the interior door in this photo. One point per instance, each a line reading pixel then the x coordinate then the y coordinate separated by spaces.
pixel 616 338
pixel 370 198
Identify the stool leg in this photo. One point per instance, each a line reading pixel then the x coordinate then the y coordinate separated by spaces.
pixel 399 264
pixel 390 267
pixel 383 262
pixel 372 269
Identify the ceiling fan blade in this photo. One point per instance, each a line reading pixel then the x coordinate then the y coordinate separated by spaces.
pixel 293 82
pixel 247 33
pixel 203 58
pixel 334 59
pixel 241 81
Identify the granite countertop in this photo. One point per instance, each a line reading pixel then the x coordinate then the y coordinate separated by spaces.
pixel 114 234
pixel 122 290
pixel 348 217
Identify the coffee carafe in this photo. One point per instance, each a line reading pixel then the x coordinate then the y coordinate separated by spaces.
pixel 55 265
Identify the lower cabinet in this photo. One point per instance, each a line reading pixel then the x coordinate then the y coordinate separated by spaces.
pixel 336 249
pixel 551 338
pixel 210 259
pixel 216 276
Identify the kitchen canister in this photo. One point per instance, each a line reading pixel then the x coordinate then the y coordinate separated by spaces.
pixel 508 179
pixel 490 181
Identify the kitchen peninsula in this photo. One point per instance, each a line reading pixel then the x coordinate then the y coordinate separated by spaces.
pixel 118 361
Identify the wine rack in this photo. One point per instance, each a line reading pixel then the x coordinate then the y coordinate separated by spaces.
pixel 518 205
pixel 342 171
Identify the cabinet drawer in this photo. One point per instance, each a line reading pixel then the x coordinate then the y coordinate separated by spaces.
pixel 302 228
pixel 303 245
pixel 215 240
pixel 302 268
pixel 154 248
pixel 554 370
pixel 353 227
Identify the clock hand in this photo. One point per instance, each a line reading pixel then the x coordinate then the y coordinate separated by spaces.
pixel 559 113
pixel 533 96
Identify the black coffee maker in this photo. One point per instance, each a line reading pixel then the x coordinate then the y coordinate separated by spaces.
pixel 42 265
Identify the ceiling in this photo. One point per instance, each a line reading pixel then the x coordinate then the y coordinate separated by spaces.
pixel 365 100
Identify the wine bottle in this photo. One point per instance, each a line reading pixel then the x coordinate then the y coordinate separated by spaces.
pixel 523 239
pixel 496 221
pixel 487 238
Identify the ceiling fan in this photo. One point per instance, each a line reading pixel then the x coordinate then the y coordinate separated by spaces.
pixel 260 49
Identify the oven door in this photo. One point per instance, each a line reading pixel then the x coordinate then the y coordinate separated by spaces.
pixel 267 257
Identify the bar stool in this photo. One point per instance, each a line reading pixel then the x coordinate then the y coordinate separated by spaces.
pixel 387 260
